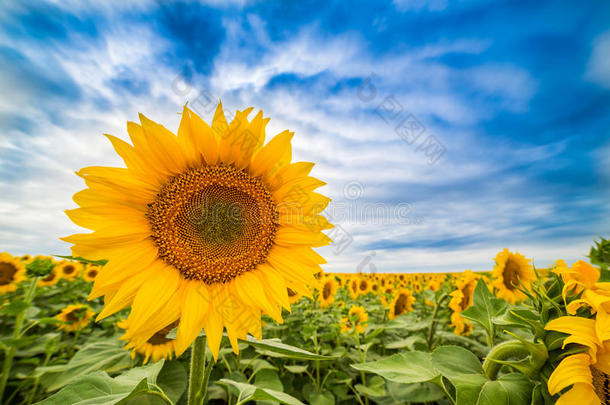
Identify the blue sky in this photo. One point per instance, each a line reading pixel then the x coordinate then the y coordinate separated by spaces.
pixel 446 131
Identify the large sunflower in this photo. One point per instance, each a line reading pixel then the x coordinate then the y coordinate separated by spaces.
pixel 12 271
pixel 587 373
pixel 512 270
pixel 209 227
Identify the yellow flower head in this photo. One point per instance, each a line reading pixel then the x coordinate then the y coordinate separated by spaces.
pixel 74 317
pixel 91 271
pixel 402 304
pixel 357 320
pixel 364 286
pixel 209 227
pixel 327 292
pixel 157 347
pixel 12 271
pixel 50 279
pixel 512 270
pixel 68 269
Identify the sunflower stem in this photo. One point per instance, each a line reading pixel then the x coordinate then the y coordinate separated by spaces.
pixel 432 327
pixel 10 352
pixel 198 371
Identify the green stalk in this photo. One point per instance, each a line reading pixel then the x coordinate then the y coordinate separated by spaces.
pixel 10 352
pixel 532 357
pixel 362 360
pixel 197 376
pixel 432 327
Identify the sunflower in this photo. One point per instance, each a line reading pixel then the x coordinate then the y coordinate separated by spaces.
pixel 50 279
pixel 357 320
pixel 12 271
pixel 364 286
pixel 512 270
pixel 402 304
pixel 157 347
pixel 327 292
pixel 461 299
pixel 209 227
pixel 91 271
pixel 587 373
pixel 67 269
pixel 353 288
pixel 74 317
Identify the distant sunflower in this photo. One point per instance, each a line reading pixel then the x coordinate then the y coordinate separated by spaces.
pixel 157 347
pixel 68 269
pixel 461 299
pixel 357 320
pixel 12 271
pixel 209 227
pixel 364 286
pixel 402 304
pixel 327 292
pixel 353 288
pixel 91 271
pixel 512 270
pixel 50 279
pixel 75 317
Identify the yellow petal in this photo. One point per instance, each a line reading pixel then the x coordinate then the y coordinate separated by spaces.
pixel 572 370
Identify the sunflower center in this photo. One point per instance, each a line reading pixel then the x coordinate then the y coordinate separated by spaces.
pixel 75 315
pixel 68 269
pixel 511 274
pixel 401 305
pixel 601 384
pixel 7 273
pixel 326 291
pixel 467 291
pixel 50 277
pixel 291 292
pixel 363 285
pixel 92 273
pixel 213 223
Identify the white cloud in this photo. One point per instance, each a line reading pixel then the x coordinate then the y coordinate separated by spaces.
pixel 598 69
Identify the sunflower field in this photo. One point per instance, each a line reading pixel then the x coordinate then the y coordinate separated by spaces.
pixel 457 338
pixel 200 284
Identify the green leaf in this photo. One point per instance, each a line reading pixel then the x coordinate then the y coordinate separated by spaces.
pixel 96 388
pixel 283 350
pixel 296 369
pixel 321 398
pixel 408 342
pixel 509 389
pixel 107 355
pixel 422 392
pixel 250 392
pixel 452 361
pixel 406 368
pixel 485 308
pixel 173 380
pixel 15 307
pixel 375 387
pixel 268 379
